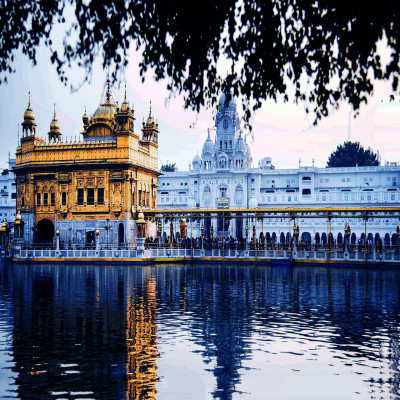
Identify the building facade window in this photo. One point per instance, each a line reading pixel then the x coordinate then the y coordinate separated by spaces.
pixel 38 199
pixel 52 199
pixel 80 197
pixel 90 197
pixel 100 196
pixel 45 199
pixel 63 199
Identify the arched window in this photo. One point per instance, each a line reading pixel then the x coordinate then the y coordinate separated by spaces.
pixel 63 199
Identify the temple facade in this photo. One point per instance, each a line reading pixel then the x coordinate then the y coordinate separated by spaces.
pixel 99 181
pixel 223 177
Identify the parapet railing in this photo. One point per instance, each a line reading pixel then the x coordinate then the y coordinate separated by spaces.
pixel 166 253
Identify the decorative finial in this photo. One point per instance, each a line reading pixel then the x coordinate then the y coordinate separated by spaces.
pixel 29 98
pixel 54 110
pixel 108 93
pixel 85 109
pixel 125 92
pixel 150 109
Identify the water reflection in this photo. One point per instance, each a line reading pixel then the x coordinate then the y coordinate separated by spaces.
pixel 199 332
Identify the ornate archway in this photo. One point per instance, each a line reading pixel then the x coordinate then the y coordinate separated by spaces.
pixel 44 231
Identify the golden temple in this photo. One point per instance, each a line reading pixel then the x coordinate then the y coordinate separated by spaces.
pixel 101 180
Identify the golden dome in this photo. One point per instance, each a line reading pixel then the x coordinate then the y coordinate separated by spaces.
pixel 125 104
pixel 106 110
pixel 28 115
pixel 150 120
pixel 140 218
pixel 85 118
pixel 54 127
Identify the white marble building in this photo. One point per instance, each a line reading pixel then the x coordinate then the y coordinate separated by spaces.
pixel 7 192
pixel 223 177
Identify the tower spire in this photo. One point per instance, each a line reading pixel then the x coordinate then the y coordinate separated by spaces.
pixel 108 92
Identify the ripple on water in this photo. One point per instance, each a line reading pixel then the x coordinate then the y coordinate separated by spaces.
pixel 198 332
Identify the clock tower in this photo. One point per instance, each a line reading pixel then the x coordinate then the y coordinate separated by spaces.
pixel 226 123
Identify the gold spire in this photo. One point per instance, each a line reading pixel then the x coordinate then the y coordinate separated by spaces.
pixel 28 115
pixel 125 103
pixel 108 92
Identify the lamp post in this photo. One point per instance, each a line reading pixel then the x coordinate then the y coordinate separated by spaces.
pixel 171 231
pixel 159 228
pixel 57 239
pixel 202 238
pixel 296 233
pixel 107 228
pixel 212 234
pixel 246 231
pixel 3 231
pixel 96 238
pixel 347 231
pixel 140 223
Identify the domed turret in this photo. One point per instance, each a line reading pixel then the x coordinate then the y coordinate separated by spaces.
pixel 196 162
pixel 240 144
pixel 208 146
pixel 102 122
pixel 227 100
pixel 85 119
pixel 106 110
pixel 125 103
pixel 29 125
pixel 54 133
pixel 150 129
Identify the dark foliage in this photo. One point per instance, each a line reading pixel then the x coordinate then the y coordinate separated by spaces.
pixel 168 167
pixel 326 49
pixel 351 154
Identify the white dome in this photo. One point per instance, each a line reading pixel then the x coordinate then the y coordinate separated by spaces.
pixel 222 100
pixel 208 146
pixel 196 159
pixel 240 144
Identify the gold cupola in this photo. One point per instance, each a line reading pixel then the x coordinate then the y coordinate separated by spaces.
pixel 102 122
pixel 29 125
pixel 125 103
pixel 150 129
pixel 85 119
pixel 54 133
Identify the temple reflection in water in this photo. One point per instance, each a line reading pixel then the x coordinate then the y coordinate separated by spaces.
pixel 103 333
pixel 141 336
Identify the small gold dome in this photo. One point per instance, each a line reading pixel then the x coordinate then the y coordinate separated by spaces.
pixel 85 118
pixel 140 219
pixel 107 110
pixel 125 103
pixel 54 127
pixel 28 114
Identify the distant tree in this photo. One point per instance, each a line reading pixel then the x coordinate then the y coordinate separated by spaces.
pixel 168 167
pixel 327 50
pixel 351 154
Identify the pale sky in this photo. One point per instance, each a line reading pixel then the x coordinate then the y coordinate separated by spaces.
pixel 280 130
